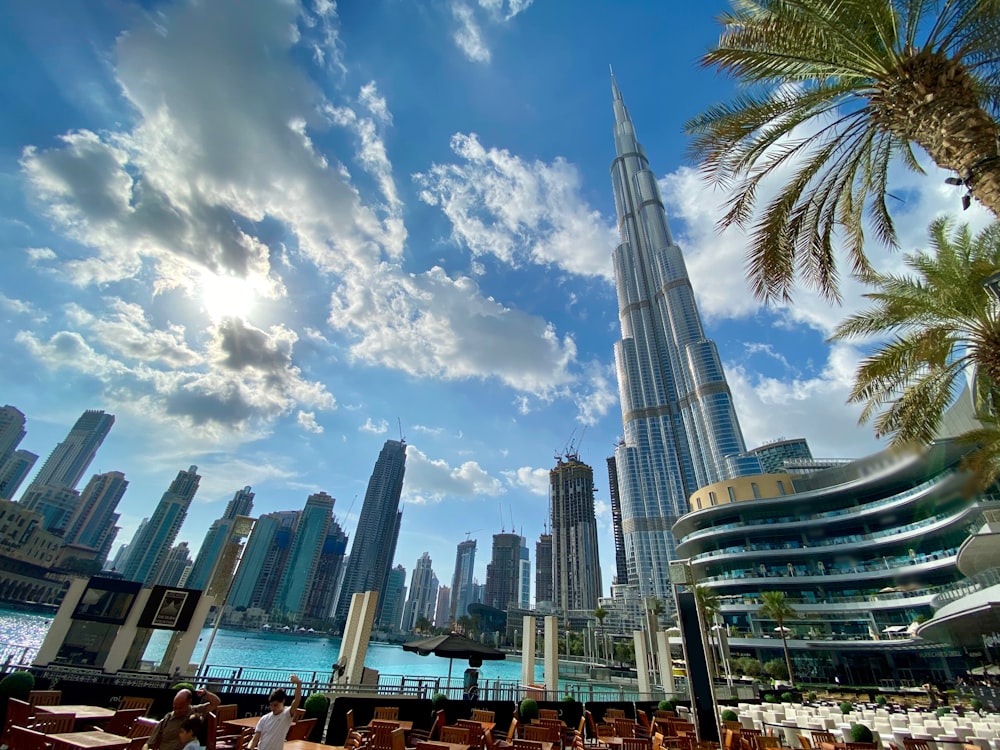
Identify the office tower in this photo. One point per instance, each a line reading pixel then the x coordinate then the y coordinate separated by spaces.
pixel 14 471
pixel 11 431
pixel 263 561
pixel 478 593
pixel 543 570
pixel 303 558
pixel 327 577
pixel 217 537
pixel 395 594
pixel 67 463
pixel 524 577
pixel 93 523
pixel 374 543
pixel 621 566
pixel 151 544
pixel 55 505
pixel 176 565
pixel 121 559
pixel 503 574
pixel 677 410
pixel 115 563
pixel 774 455
pixel 576 565
pixel 461 580
pixel 423 594
pixel 443 611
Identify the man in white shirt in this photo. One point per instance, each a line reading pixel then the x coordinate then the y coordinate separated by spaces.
pixel 272 727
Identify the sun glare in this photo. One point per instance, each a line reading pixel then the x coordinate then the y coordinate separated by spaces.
pixel 227 296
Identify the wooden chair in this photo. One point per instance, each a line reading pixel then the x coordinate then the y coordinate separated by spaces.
pixel 597 731
pixel 678 743
pixel 481 714
pixel 133 701
pixel 398 739
pixel 661 714
pixel 548 713
pixel 53 723
pixel 624 727
pixel 387 713
pixel 23 738
pixel 227 712
pixel 505 739
pixel 539 733
pixel 475 731
pixel 734 725
pixel 805 743
pixel 142 728
pixel 861 745
pixel 911 744
pixel 766 742
pixel 45 697
pixel 636 743
pixel 520 744
pixel 657 740
pixel 427 735
pixel 19 714
pixel 219 738
pixel 819 737
pixel 121 722
pixel 301 730
pixel 456 734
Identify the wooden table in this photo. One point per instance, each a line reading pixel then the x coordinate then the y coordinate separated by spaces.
pixel 91 740
pixel 307 745
pixel 406 726
pixel 80 711
pixel 451 745
pixel 247 722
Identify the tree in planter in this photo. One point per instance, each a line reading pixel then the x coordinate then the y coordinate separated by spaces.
pixel 316 707
pixel 708 609
pixel 776 608
pixel 836 91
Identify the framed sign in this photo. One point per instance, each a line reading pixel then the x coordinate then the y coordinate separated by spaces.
pixel 169 608
pixel 106 600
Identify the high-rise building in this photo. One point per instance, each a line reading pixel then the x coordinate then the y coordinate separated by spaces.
pixel 327 577
pixel 14 471
pixel 543 570
pixel 11 431
pixel 264 560
pixel 56 505
pixel 621 566
pixel 524 577
pixel 176 565
pixel 375 539
pixel 217 537
pixel 773 455
pixel 392 605
pixel 93 523
pixel 677 409
pixel 576 564
pixel 461 580
pixel 503 574
pixel 67 463
pixel 423 594
pixel 151 543
pixel 443 610
pixel 303 558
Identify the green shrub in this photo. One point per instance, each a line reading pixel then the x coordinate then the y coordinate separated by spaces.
pixel 812 697
pixel 670 704
pixel 880 699
pixel 316 706
pixel 846 708
pixel 438 700
pixel 770 698
pixel 977 705
pixel 527 711
pixel 729 715
pixel 568 698
pixel 183 686
pixel 17 685
pixel 776 669
pixel 787 697
pixel 942 711
pixel 861 733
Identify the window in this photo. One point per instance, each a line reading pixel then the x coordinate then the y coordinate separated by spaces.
pixel 732 494
pixel 711 498
pixel 756 490
pixel 781 487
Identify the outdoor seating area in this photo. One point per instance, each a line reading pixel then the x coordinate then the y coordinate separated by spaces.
pixel 44 722
pixel 827 727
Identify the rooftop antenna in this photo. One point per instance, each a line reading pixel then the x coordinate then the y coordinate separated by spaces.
pixel 399 425
pixel 503 528
pixel 511 509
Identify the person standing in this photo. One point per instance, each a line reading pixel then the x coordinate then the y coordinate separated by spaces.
pixel 272 727
pixel 166 736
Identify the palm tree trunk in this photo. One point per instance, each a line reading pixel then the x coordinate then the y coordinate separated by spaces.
pixel 788 658
pixel 932 100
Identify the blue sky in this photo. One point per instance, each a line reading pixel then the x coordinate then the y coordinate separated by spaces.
pixel 267 234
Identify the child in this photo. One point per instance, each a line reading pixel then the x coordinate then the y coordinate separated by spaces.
pixel 187 733
pixel 272 727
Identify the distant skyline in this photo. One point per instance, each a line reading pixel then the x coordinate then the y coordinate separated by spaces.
pixel 268 236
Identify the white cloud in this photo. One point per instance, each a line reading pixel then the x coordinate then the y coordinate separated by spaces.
pixel 468 36
pixel 307 421
pixel 513 7
pixel 432 480
pixel 536 481
pixel 519 211
pixel 19 306
pixel 375 428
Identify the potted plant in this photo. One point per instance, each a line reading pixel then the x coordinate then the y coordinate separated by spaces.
pixel 316 706
pixel 527 711
pixel 846 708
pixel 730 715
pixel 861 733
pixel 17 685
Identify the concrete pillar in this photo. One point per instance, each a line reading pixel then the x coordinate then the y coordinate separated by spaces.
pixel 182 643
pixel 126 635
pixel 642 663
pixel 666 663
pixel 551 657
pixel 357 632
pixel 528 651
pixel 61 623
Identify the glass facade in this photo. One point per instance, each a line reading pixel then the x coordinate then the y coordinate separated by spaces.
pixel 677 410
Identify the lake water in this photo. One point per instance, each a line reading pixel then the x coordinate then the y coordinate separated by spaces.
pixel 262 650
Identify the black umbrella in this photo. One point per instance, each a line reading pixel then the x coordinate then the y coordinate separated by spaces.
pixel 455 646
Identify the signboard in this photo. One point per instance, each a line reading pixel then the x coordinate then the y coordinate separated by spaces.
pixel 169 608
pixel 106 600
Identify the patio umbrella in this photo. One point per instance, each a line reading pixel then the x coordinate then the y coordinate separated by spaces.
pixel 455 646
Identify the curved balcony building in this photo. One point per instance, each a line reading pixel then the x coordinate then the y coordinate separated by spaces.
pixel 860 551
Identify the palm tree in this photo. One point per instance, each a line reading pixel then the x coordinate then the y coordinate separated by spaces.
pixel 600 613
pixel 776 608
pixel 708 608
pixel 835 91
pixel 944 323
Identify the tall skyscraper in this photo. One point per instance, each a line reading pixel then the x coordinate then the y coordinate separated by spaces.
pixel 524 577
pixel 576 564
pixel 395 594
pixel 11 431
pixel 423 594
pixel 217 537
pixel 677 409
pixel 773 455
pixel 461 581
pixel 93 523
pixel 263 561
pixel 176 565
pixel 71 458
pixel 543 570
pixel 621 565
pixel 14 471
pixel 327 577
pixel 503 574
pixel 375 539
pixel 303 559
pixel 151 543
pixel 443 610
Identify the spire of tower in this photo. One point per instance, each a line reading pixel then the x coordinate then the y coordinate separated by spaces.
pixel 615 93
pixel 621 111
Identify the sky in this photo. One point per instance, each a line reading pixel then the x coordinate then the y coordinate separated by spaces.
pixel 269 235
